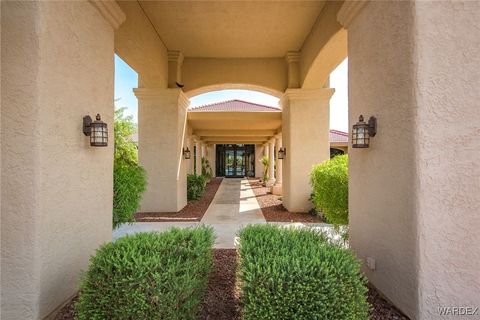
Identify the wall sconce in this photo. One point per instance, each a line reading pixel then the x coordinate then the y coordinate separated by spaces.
pixel 97 130
pixel 282 152
pixel 186 153
pixel 362 132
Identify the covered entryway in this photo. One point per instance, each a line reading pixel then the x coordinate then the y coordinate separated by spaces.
pixel 413 195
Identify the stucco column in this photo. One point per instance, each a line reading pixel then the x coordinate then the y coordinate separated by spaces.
pixel 277 188
pixel 414 194
pixel 271 158
pixel 258 163
pixel 161 127
pixel 190 162
pixel 305 123
pixel 198 158
pixel 203 150
pixel 56 189
pixel 265 154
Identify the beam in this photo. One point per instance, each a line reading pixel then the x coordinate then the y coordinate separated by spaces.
pixel 234 133
pixel 227 139
pixel 237 142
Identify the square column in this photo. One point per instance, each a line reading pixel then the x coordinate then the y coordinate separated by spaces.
pixel 271 167
pixel 56 189
pixel 277 187
pixel 198 158
pixel 414 194
pixel 305 122
pixel 258 163
pixel 190 162
pixel 162 123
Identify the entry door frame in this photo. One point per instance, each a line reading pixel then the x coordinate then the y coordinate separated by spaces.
pixel 221 157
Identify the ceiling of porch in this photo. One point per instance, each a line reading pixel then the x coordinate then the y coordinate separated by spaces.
pixel 229 29
pixel 235 127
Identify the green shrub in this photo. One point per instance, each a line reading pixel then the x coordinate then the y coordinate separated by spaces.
pixel 148 276
pixel 129 179
pixel 330 189
pixel 266 162
pixel 129 182
pixel 207 171
pixel 290 273
pixel 195 186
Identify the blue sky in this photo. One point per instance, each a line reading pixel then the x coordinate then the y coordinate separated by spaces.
pixel 126 79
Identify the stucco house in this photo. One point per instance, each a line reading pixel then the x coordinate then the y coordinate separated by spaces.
pixel 413 75
pixel 237 152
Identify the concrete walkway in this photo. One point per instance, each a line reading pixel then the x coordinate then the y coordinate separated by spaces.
pixel 233 207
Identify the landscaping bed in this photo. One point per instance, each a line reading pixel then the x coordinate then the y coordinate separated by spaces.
pixel 272 207
pixel 193 211
pixel 221 298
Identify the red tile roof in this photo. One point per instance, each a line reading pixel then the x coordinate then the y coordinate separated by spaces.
pixel 234 106
pixel 244 106
pixel 338 136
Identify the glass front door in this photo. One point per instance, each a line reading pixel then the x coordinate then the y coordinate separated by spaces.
pixel 230 168
pixel 235 160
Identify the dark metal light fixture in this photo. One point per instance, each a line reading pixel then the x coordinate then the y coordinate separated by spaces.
pixel 186 153
pixel 362 132
pixel 97 130
pixel 282 152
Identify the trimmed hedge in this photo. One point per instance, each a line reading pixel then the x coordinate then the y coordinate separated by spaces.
pixel 330 189
pixel 195 186
pixel 129 183
pixel 148 276
pixel 290 273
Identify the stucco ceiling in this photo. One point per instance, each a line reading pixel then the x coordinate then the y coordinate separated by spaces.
pixel 234 127
pixel 233 28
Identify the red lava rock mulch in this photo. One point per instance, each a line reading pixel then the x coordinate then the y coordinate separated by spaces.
pixel 382 309
pixel 221 299
pixel 272 207
pixel 193 211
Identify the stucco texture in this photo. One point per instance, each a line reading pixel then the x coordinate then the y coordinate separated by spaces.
pixel 415 193
pixel 382 181
pixel 162 122
pixel 305 134
pixel 56 189
pixel 448 152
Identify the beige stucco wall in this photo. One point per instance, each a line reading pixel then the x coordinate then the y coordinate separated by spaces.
pixel 382 182
pixel 305 134
pixel 258 164
pixel 56 189
pixel 415 194
pixel 265 74
pixel 162 128
pixel 211 156
pixel 137 43
pixel 324 48
pixel 448 154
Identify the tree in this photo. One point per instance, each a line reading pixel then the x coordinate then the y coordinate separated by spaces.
pixel 129 179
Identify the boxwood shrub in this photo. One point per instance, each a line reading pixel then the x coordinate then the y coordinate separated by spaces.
pixel 148 276
pixel 330 189
pixel 195 186
pixel 290 273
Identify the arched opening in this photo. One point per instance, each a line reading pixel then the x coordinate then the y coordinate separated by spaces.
pixel 233 86
pixel 231 127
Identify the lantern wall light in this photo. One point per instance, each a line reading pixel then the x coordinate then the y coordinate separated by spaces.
pixel 97 130
pixel 282 152
pixel 186 153
pixel 362 132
